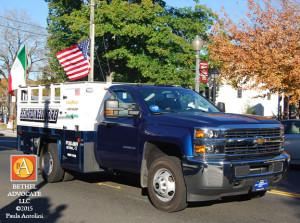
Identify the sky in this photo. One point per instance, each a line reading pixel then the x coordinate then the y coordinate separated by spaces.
pixel 38 9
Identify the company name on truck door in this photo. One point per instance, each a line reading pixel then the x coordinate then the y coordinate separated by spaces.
pixel 39 115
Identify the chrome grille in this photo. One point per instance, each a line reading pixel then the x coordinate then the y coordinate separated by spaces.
pixel 241 143
pixel 252 133
pixel 252 149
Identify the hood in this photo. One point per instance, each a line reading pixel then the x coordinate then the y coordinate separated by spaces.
pixel 211 119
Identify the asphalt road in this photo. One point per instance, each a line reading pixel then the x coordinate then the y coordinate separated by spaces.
pixel 107 198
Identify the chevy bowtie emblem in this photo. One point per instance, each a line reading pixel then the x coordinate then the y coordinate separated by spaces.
pixel 260 141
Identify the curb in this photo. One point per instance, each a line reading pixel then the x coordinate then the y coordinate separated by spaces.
pixel 8 133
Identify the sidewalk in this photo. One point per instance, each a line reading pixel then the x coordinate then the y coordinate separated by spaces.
pixel 8 132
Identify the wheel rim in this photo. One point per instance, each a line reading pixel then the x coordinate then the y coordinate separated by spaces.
pixel 47 163
pixel 164 185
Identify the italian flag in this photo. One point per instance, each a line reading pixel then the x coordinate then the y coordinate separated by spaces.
pixel 18 71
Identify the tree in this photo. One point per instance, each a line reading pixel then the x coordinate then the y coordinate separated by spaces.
pixel 135 41
pixel 61 35
pixel 17 29
pixel 261 51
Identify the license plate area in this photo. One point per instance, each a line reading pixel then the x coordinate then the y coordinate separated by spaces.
pixel 261 185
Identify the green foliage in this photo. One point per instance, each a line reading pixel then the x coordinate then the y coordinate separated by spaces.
pixel 249 109
pixel 62 36
pixel 136 41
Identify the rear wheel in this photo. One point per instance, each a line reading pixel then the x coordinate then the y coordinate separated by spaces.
pixel 50 165
pixel 166 187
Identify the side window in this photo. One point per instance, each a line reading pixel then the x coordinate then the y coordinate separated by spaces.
pixel 125 100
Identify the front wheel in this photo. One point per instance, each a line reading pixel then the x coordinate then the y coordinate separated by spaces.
pixel 166 187
pixel 50 165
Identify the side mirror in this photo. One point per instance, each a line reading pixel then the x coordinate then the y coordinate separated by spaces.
pixel 221 106
pixel 113 110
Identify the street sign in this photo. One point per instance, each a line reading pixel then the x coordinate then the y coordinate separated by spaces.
pixel 203 71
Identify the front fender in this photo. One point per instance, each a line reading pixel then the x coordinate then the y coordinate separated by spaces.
pixel 182 137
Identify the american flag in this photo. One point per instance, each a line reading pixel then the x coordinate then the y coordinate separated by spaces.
pixel 75 60
pixel 77 91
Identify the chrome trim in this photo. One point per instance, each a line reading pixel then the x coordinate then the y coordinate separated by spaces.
pixel 255 140
pixel 213 179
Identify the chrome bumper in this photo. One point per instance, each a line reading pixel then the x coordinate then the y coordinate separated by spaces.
pixel 213 179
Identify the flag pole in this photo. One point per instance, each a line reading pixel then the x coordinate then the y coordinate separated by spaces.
pixel 26 61
pixel 92 36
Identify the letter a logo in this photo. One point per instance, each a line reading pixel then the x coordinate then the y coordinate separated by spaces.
pixel 23 168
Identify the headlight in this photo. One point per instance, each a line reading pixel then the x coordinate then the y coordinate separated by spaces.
pixel 206 133
pixel 200 149
pixel 208 149
pixel 199 134
pixel 208 141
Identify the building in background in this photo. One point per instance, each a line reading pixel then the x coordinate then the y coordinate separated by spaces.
pixel 247 101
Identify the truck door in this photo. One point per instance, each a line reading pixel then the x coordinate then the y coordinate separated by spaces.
pixel 118 138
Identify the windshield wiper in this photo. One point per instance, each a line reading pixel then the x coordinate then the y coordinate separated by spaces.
pixel 203 110
pixel 165 112
pixel 196 110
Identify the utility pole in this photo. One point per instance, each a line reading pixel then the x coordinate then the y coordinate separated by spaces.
pixel 92 36
pixel 197 45
pixel 197 79
pixel 8 108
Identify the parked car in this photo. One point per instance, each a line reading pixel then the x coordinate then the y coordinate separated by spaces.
pixel 292 139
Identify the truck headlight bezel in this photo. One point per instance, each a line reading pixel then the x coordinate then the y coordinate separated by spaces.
pixel 208 141
pixel 207 133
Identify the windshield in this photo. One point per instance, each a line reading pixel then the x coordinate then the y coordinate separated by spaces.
pixel 161 100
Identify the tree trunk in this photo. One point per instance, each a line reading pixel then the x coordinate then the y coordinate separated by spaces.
pixel 110 77
pixel 12 119
pixel 286 108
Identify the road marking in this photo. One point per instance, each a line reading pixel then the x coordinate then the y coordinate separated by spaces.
pixel 284 193
pixel 4 147
pixel 107 185
pixel 136 198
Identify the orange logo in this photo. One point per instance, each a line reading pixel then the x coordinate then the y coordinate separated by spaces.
pixel 23 168
pixel 260 141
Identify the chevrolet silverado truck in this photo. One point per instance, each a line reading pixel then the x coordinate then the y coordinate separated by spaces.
pixel 183 147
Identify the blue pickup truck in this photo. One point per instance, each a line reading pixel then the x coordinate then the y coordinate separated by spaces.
pixel 184 148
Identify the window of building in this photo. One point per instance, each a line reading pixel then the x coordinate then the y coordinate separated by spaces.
pixel 239 93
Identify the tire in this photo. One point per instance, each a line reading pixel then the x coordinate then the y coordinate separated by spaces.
pixel 68 176
pixel 166 187
pixel 50 165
